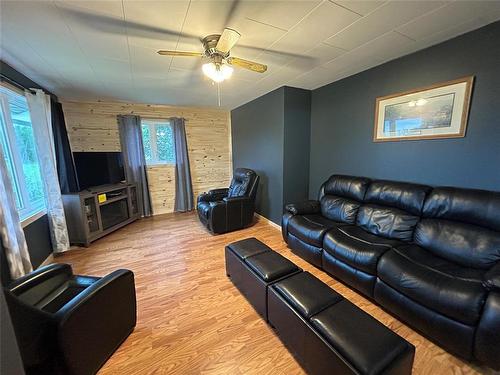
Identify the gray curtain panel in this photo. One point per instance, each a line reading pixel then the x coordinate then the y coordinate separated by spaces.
pixel 183 185
pixel 129 127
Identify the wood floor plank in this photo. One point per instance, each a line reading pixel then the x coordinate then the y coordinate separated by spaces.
pixel 192 320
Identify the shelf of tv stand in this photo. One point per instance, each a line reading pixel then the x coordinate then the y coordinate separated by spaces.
pixel 114 199
pixel 86 223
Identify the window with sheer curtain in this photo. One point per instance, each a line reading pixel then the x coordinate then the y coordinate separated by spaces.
pixel 158 141
pixel 18 144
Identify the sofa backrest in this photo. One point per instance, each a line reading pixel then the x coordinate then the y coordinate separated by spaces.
pixel 461 225
pixel 340 197
pixel 392 209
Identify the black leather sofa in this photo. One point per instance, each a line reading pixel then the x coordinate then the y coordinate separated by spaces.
pixel 228 209
pixel 70 324
pixel 430 255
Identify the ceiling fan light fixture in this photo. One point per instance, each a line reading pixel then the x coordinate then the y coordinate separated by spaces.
pixel 217 72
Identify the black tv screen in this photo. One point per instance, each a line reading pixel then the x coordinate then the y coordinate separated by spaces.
pixel 98 168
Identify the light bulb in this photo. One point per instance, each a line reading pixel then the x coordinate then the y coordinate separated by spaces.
pixel 217 72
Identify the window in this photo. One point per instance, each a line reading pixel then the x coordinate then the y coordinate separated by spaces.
pixel 158 140
pixel 18 144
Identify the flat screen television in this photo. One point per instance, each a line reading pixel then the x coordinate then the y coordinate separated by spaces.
pixel 98 168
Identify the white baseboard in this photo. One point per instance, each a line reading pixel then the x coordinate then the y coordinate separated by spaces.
pixel 271 223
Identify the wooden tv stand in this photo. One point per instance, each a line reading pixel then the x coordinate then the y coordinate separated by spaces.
pixel 90 218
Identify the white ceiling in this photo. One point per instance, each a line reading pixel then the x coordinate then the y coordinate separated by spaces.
pixel 90 50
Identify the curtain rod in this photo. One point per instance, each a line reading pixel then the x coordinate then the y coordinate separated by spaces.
pixel 14 83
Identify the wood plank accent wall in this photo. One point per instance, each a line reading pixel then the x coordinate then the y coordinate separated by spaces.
pixel 92 126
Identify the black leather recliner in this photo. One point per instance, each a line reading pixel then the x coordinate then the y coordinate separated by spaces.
pixel 70 324
pixel 225 210
pixel 429 255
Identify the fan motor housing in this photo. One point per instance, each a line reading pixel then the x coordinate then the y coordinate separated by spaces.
pixel 209 43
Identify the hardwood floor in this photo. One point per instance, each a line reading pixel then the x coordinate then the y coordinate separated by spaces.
pixel 192 320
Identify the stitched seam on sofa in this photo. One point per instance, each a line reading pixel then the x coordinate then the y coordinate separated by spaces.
pixel 438 271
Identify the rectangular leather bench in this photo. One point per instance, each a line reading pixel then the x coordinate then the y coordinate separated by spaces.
pixel 330 335
pixel 252 267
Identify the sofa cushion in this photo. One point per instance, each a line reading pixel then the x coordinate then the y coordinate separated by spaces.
pixel 477 207
pixel 310 228
pixel 350 187
pixel 404 196
pixel 434 282
pixel 339 209
pixel 306 294
pixel 352 332
pixel 387 222
pixel 466 244
pixel 357 248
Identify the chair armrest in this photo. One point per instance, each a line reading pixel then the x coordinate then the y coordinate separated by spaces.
pixel 97 321
pixel 230 200
pixel 38 276
pixel 491 279
pixel 213 195
pixel 303 208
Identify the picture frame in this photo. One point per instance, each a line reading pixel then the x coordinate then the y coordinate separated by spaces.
pixel 433 112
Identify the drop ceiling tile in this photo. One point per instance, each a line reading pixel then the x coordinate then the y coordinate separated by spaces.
pixel 361 56
pixel 108 7
pixel 281 14
pixel 384 19
pixel 325 21
pixel 314 78
pixel 96 34
pixel 146 63
pixel 256 37
pixel 448 17
pixel 360 7
pixel 388 46
pixel 206 17
pixel 323 53
pixel 111 69
pixel 155 24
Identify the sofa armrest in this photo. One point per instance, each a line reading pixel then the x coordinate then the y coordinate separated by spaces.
pixel 97 321
pixel 491 279
pixel 39 276
pixel 303 208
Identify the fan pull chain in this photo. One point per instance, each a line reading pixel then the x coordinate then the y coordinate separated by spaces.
pixel 218 93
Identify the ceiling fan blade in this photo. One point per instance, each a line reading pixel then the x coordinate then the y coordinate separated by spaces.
pixel 227 40
pixel 247 64
pixel 180 53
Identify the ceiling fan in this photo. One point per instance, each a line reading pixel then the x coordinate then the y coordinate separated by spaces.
pixel 217 49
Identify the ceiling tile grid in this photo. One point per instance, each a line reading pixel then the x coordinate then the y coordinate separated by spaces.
pixel 107 49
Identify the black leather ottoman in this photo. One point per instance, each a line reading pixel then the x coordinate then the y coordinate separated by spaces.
pixel 253 266
pixel 329 335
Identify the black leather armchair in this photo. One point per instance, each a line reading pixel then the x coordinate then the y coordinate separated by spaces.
pixel 70 324
pixel 225 210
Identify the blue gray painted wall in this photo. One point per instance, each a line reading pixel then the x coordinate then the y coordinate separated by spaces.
pixel 271 135
pixel 257 141
pixel 297 130
pixel 342 119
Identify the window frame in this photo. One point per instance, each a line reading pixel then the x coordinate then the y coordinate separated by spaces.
pixel 152 124
pixel 29 211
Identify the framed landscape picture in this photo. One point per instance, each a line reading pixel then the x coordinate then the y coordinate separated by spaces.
pixel 437 111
